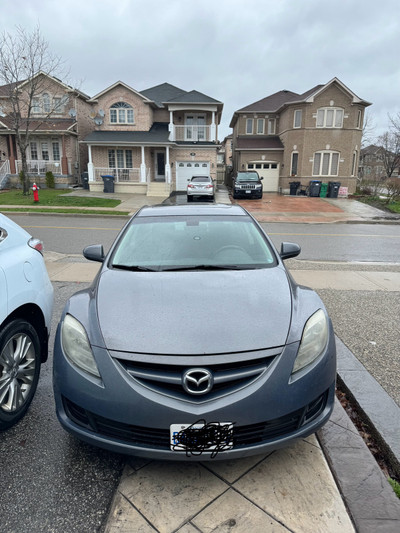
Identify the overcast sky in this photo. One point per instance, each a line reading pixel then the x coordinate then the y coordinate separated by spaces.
pixel 237 52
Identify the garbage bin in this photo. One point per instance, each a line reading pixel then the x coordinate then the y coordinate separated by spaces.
pixel 85 180
pixel 294 185
pixel 108 183
pixel 333 189
pixel 315 188
pixel 324 190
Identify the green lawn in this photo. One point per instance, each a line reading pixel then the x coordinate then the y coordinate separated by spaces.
pixel 393 207
pixel 54 197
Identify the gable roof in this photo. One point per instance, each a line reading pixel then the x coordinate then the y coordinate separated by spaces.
pixel 111 87
pixel 277 101
pixel 68 88
pixel 169 94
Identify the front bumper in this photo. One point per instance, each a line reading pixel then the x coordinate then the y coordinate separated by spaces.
pixel 122 415
pixel 247 193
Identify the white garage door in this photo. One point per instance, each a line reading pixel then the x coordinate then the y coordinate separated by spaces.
pixel 186 169
pixel 269 170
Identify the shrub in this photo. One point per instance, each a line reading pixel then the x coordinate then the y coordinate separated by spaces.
pixel 50 180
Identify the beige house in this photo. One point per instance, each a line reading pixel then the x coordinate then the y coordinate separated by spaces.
pixel 153 141
pixel 301 137
pixel 53 128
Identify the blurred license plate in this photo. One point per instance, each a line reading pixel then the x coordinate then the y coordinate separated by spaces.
pixel 201 437
pixel 248 192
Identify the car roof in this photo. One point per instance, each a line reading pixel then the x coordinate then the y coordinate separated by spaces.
pixel 185 210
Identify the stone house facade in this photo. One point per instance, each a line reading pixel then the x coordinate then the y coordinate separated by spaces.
pixel 152 141
pixel 301 137
pixel 53 128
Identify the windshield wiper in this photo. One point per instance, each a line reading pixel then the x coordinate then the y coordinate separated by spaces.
pixel 205 267
pixel 135 268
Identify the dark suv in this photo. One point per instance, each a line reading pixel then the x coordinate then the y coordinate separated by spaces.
pixel 247 184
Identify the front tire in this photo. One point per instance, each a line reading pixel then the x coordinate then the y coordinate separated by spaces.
pixel 20 360
pixel 190 198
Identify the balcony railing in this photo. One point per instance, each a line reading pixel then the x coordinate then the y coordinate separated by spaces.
pixel 4 172
pixel 192 133
pixel 39 167
pixel 121 175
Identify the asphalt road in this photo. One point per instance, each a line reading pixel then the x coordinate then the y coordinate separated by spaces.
pixel 54 483
pixel 319 242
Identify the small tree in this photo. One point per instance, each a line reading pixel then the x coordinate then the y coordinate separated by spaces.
pixel 25 64
pixel 50 180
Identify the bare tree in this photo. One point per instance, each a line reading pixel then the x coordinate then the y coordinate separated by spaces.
pixel 368 131
pixel 25 66
pixel 390 153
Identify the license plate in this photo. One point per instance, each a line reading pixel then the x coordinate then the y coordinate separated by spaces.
pixel 201 437
pixel 248 192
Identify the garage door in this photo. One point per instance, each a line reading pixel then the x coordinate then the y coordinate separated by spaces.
pixel 269 170
pixel 186 169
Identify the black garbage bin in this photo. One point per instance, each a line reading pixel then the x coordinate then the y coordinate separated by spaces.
pixel 294 185
pixel 108 183
pixel 85 180
pixel 315 188
pixel 333 189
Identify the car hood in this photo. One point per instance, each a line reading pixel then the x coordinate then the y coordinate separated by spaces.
pixel 196 312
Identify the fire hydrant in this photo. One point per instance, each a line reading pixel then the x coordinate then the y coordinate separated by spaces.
pixel 35 189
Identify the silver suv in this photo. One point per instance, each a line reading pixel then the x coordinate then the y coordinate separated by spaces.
pixel 26 304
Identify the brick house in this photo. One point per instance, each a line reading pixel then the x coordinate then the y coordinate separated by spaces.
pixel 151 141
pixel 301 137
pixel 54 132
pixel 374 161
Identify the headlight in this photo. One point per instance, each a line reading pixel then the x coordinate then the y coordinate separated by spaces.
pixel 76 345
pixel 313 341
pixel 258 185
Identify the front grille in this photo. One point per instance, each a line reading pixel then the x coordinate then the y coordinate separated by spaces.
pixel 155 438
pixel 249 186
pixel 167 379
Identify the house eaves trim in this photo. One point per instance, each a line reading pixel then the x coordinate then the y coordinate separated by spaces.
pixel 68 88
pixel 111 87
pixel 259 149
pixel 356 99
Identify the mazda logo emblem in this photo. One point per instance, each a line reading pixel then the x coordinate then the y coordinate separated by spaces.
pixel 197 381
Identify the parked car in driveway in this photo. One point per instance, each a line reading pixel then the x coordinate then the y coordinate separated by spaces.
pixel 247 185
pixel 194 342
pixel 26 303
pixel 201 186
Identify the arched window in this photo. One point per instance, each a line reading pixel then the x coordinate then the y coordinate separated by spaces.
pixel 121 113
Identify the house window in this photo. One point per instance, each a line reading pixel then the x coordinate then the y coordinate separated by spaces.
pixel 260 126
pixel 120 158
pixel 45 151
pixel 34 152
pixel 353 164
pixel 36 105
pixel 56 150
pixel 359 121
pixel 195 129
pixel 297 118
pixel 271 126
pixel 326 164
pixel 293 166
pixel 46 103
pixel 249 126
pixel 121 113
pixel 58 105
pixel 329 117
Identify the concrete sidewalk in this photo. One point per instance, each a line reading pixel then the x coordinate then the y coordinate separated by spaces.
pixel 325 484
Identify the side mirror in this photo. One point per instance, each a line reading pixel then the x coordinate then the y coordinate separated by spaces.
pixel 94 252
pixel 289 249
pixel 261 178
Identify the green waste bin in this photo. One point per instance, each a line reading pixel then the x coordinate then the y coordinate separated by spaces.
pixel 324 190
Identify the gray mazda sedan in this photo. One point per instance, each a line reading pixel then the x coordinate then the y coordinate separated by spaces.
pixel 194 342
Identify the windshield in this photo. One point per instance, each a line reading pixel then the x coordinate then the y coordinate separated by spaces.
pixel 192 241
pixel 247 176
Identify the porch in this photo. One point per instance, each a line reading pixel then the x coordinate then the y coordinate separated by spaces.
pixel 40 167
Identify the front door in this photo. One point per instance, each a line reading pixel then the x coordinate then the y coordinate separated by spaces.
pixel 160 166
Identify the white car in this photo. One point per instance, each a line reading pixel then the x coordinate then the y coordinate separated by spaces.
pixel 26 305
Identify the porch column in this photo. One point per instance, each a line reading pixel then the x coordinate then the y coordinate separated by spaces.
pixel 90 166
pixel 12 155
pixel 171 127
pixel 213 130
pixel 142 167
pixel 64 161
pixel 167 166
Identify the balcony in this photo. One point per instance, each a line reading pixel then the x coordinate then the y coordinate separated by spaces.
pixel 197 133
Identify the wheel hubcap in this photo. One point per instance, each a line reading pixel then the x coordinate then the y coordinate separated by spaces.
pixel 17 370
